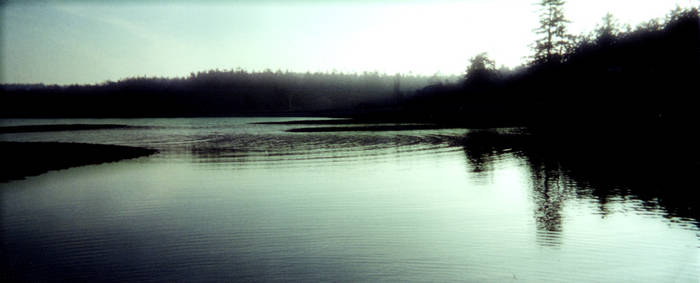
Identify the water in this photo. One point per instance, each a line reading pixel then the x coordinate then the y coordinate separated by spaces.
pixel 228 200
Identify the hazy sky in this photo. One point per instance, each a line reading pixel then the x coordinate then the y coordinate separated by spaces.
pixel 89 41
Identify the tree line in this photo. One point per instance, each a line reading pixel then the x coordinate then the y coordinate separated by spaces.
pixel 613 75
pixel 217 93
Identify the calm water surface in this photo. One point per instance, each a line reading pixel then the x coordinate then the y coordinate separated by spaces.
pixel 228 200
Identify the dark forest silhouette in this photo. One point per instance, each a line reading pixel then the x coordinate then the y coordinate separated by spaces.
pixel 615 76
pixel 216 93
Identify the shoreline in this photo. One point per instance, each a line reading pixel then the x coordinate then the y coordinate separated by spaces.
pixel 58 128
pixel 25 159
pixel 375 128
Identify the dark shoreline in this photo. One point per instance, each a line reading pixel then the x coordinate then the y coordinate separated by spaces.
pixel 24 159
pixel 58 128
pixel 344 121
pixel 377 128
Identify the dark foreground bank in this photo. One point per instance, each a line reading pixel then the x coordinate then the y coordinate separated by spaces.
pixel 22 159
pixel 58 128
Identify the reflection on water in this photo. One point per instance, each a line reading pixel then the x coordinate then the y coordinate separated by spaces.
pixel 549 188
pixel 603 173
pixel 549 193
pixel 230 200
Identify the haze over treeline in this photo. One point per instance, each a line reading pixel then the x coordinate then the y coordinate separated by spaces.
pixel 216 93
pixel 616 71
pixel 89 41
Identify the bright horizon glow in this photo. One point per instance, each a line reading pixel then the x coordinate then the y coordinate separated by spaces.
pixel 89 42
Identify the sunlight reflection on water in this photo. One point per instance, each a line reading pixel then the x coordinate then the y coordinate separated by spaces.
pixel 229 200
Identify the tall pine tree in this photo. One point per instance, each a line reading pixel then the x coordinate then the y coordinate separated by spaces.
pixel 554 40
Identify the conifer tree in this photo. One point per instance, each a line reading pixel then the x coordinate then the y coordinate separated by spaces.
pixel 554 40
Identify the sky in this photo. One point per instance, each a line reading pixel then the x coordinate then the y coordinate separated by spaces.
pixel 85 42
